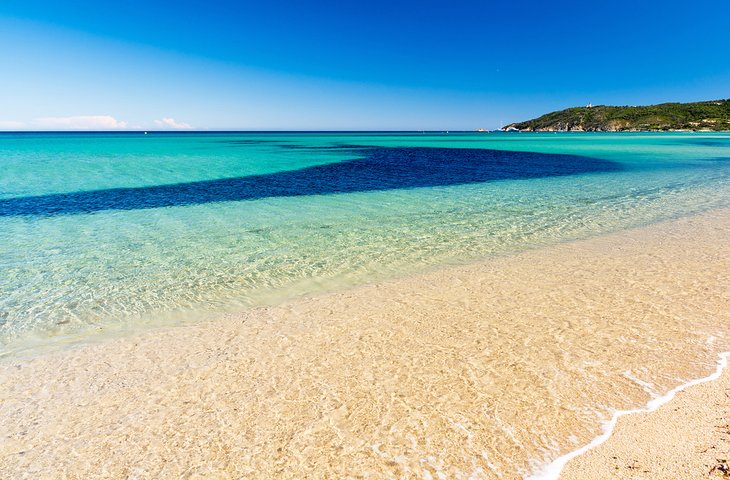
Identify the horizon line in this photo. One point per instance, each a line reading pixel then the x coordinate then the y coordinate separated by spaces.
pixel 248 131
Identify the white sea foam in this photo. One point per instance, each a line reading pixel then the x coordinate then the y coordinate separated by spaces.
pixel 552 470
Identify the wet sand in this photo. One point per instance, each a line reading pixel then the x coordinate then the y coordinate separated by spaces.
pixel 688 437
pixel 481 371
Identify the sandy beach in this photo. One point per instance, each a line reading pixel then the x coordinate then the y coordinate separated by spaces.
pixel 689 437
pixel 488 370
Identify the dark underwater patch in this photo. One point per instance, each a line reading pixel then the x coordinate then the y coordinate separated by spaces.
pixel 249 142
pixel 377 169
pixel 708 142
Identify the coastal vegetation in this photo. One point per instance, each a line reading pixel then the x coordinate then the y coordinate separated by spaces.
pixel 711 115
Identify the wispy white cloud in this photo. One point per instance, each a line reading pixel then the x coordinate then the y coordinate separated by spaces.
pixel 89 122
pixel 171 123
pixel 11 125
pixel 81 122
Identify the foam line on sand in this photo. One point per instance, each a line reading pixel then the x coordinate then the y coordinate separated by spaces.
pixel 552 470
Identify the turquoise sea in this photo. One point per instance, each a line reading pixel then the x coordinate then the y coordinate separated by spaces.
pixel 106 232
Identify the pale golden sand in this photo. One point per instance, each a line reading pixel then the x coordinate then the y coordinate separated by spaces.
pixel 477 371
pixel 686 438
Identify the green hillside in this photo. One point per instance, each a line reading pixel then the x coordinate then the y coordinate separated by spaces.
pixel 697 116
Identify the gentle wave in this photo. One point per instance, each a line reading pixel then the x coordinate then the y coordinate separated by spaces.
pixel 552 470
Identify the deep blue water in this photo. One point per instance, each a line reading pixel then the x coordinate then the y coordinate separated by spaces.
pixel 373 169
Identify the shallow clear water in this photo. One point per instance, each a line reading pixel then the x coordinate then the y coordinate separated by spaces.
pixel 106 231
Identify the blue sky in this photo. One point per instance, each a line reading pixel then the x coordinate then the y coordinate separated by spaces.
pixel 338 65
